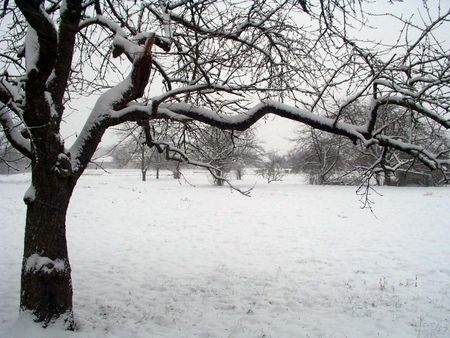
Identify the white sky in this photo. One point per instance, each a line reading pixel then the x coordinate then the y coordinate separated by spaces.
pixel 275 132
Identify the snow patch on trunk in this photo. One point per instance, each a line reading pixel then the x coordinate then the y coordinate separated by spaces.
pixel 36 263
pixel 48 97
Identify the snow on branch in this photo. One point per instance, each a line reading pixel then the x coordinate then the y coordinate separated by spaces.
pixel 41 39
pixel 31 50
pixel 105 22
pixel 11 96
pixel 166 21
pixel 408 102
pixel 122 44
pixel 155 110
pixel 246 119
pixel 13 133
pixel 205 88
pixel 119 32
pixel 8 98
pixel 135 111
pixel 114 99
pixel 429 159
pixel 162 42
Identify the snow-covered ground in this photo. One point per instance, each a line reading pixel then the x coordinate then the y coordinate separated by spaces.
pixel 169 259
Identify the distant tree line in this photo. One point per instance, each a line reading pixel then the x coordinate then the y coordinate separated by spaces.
pixel 332 159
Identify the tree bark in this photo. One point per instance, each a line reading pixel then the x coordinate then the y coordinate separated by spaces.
pixel 239 173
pixel 46 286
pixel 143 165
pixel 218 180
pixel 388 178
pixel 176 174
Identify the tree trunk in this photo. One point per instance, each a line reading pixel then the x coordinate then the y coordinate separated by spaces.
pixel 239 173
pixel 388 178
pixel 144 167
pixel 321 179
pixel 176 174
pixel 218 180
pixel 46 286
pixel 157 173
pixel 378 179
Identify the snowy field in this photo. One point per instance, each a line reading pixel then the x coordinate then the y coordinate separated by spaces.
pixel 169 259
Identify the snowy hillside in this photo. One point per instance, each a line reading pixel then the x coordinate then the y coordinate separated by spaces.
pixel 170 259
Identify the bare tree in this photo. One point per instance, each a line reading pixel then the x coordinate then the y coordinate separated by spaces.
pixel 329 158
pixel 319 155
pixel 273 168
pixel 223 63
pixel 133 150
pixel 221 150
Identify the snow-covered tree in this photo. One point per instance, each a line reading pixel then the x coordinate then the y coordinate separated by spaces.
pixel 133 150
pixel 224 63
